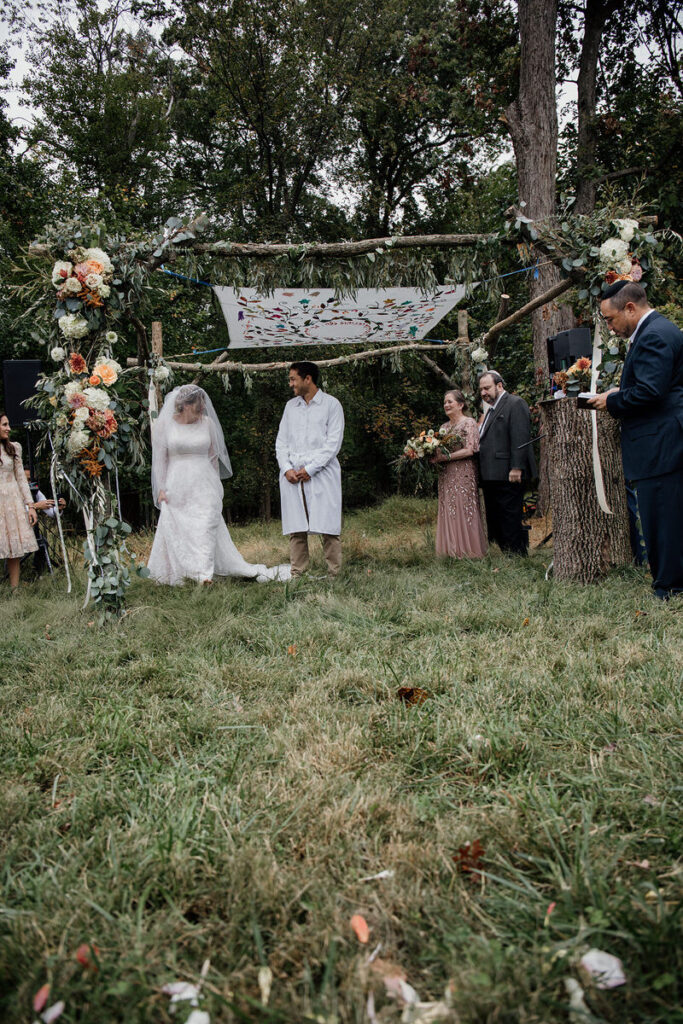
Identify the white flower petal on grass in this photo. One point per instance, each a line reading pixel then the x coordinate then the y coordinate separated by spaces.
pixel 607 970
pixel 53 1012
pixel 198 1017
pixel 399 989
pixel 265 980
pixel 577 1007
pixel 381 874
pixel 182 992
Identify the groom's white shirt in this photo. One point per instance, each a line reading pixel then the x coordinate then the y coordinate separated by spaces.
pixel 311 435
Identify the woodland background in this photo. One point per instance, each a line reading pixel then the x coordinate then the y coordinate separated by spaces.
pixel 329 120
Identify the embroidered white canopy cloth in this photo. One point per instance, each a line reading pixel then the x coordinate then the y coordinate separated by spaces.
pixel 299 316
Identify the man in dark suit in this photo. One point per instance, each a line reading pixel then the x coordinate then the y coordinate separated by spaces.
pixel 649 403
pixel 506 460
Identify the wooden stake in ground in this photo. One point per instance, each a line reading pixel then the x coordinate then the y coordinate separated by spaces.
pixel 587 541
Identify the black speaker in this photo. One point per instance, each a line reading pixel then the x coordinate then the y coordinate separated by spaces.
pixel 568 346
pixel 19 378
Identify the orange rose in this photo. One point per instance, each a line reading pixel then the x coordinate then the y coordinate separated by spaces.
pixel 108 375
pixel 95 381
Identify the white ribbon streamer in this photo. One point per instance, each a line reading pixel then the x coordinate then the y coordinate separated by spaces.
pixel 597 466
pixel 58 516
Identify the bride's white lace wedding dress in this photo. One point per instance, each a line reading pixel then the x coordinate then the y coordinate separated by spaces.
pixel 192 541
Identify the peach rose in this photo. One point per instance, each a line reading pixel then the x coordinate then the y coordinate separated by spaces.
pixel 107 374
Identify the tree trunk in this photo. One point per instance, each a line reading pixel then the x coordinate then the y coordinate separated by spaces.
pixel 532 122
pixel 596 14
pixel 587 541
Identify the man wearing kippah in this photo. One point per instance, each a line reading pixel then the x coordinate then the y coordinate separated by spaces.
pixel 649 403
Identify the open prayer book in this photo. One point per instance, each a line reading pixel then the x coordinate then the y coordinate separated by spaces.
pixel 582 399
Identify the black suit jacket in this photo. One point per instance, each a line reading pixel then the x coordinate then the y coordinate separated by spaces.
pixel 509 427
pixel 649 401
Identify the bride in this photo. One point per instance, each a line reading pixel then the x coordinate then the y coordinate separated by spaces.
pixel 189 460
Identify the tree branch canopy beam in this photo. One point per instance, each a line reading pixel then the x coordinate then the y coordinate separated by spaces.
pixel 375 353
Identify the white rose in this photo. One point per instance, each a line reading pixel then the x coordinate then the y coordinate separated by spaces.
pixel 104 292
pixel 111 337
pixel 624 266
pixel 96 398
pixel 73 326
pixel 78 439
pixel 60 273
pixel 73 285
pixel 116 367
pixel 81 414
pixel 626 227
pixel 93 281
pixel 161 373
pixel 613 251
pixel 479 355
pixel 101 257
pixel 57 354
pixel 71 389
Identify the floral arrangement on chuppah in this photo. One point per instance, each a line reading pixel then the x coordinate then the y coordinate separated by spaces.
pixel 91 408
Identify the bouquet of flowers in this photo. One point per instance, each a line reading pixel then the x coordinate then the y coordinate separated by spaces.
pixel 419 450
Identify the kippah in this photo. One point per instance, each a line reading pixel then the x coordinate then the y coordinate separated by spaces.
pixel 614 289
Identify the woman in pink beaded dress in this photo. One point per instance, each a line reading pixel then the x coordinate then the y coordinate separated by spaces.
pixel 459 529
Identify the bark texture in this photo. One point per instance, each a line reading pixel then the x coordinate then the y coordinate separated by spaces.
pixel 532 122
pixel 587 542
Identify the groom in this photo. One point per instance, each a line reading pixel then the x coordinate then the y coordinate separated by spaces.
pixel 308 441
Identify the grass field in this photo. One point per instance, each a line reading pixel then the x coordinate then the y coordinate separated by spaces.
pixel 212 779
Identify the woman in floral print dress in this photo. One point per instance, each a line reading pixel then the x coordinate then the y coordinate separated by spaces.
pixel 16 534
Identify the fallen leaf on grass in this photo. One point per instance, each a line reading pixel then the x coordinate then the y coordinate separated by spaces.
pixel 649 799
pixel 291 650
pixel 468 859
pixel 607 970
pixel 360 927
pixel 551 907
pixel 265 980
pixel 40 998
pixel 411 695
pixel 526 622
pixel 639 613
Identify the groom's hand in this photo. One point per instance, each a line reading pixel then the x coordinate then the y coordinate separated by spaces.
pixel 303 475
pixel 292 475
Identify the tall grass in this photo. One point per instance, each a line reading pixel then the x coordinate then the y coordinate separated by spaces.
pixel 213 777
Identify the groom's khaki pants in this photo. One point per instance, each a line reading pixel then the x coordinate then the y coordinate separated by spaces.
pixel 299 557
